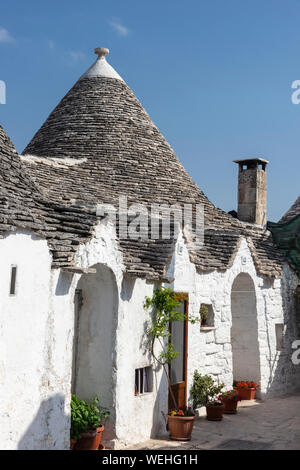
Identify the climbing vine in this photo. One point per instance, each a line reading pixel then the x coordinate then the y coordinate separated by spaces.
pixel 166 306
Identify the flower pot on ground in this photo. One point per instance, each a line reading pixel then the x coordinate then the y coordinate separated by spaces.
pixel 230 400
pixel 87 423
pixel 90 439
pixel 204 392
pixel 180 424
pixel 246 389
pixel 214 411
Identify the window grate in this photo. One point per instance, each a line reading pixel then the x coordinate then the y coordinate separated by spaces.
pixel 143 380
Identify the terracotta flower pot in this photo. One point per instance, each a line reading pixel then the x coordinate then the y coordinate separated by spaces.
pixel 72 443
pixel 90 440
pixel 230 407
pixel 246 393
pixel 180 427
pixel 215 413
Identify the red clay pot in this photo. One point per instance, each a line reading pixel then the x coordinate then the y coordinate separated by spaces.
pixel 215 413
pixel 230 407
pixel 90 440
pixel 246 393
pixel 180 427
pixel 72 443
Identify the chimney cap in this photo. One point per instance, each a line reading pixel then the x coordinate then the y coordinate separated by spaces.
pixel 246 161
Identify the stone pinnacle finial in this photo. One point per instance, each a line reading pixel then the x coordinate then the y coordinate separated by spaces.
pixel 101 51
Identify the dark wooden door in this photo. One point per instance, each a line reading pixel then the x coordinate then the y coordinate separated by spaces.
pixel 178 367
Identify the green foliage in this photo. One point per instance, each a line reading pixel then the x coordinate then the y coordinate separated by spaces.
pixel 204 312
pixel 166 309
pixel 204 390
pixel 86 416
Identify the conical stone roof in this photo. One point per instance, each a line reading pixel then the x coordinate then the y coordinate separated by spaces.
pixel 25 205
pixel 100 143
pixel 293 212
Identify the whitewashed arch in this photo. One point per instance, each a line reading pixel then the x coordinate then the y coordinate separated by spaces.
pixel 244 330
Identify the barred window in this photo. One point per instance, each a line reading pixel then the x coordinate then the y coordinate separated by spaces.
pixel 143 380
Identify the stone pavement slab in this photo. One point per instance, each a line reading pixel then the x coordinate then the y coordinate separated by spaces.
pixel 258 425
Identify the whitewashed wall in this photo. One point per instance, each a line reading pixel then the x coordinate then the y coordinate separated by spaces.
pixel 211 352
pixel 37 328
pixel 24 353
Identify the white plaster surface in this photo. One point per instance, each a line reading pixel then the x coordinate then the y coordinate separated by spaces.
pixel 101 68
pixel 37 328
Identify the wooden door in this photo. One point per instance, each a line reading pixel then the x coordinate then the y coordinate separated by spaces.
pixel 178 367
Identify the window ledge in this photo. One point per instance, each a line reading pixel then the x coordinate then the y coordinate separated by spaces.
pixel 208 328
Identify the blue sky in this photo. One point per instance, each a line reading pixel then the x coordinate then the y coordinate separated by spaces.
pixel 214 75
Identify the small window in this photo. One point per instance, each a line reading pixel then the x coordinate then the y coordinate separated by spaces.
pixel 207 315
pixel 13 280
pixel 143 380
pixel 279 330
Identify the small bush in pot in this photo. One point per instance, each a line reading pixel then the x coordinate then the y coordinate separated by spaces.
pixel 204 392
pixel 87 423
pixel 230 400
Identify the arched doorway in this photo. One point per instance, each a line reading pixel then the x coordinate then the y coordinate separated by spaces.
pixel 96 306
pixel 244 331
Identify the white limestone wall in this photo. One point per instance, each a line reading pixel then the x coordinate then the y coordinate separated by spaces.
pixel 24 321
pixel 210 351
pixel 36 338
pixel 138 417
pixel 37 328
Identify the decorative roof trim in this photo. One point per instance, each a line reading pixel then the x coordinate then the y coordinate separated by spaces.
pixel 101 68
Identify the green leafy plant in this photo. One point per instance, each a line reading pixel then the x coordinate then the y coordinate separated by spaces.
pixel 166 306
pixel 204 390
pixel 86 416
pixel 204 311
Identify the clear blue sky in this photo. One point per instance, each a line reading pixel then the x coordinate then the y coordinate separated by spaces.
pixel 214 75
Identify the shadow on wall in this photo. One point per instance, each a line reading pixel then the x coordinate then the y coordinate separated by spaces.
pixel 160 384
pixel 50 428
pixel 63 283
pixel 284 376
pixel 161 404
pixel 94 351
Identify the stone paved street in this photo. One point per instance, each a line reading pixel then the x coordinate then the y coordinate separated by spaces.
pixel 273 424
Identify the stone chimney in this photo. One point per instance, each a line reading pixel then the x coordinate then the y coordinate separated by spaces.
pixel 252 192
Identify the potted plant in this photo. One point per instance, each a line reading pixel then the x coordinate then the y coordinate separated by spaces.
pixel 166 309
pixel 246 389
pixel 204 314
pixel 204 392
pixel 180 423
pixel 230 400
pixel 214 410
pixel 87 424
